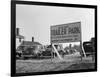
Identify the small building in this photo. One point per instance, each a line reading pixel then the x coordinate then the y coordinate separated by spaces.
pixel 30 47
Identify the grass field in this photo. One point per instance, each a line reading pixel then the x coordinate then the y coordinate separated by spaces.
pixel 69 63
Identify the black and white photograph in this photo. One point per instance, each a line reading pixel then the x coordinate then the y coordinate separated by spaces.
pixel 53 38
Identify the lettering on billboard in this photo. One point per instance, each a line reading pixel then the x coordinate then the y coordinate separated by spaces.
pixel 66 33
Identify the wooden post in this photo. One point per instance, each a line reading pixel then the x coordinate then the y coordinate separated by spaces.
pixel 55 50
pixel 81 46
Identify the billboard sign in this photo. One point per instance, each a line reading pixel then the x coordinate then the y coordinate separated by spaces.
pixel 64 33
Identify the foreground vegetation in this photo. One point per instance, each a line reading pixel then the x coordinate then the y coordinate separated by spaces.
pixel 27 66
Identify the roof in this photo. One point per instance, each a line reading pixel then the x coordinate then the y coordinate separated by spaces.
pixel 29 43
pixel 20 36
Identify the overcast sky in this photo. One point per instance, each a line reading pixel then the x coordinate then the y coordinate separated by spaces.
pixel 35 20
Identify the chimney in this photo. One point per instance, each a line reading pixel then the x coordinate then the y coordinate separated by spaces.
pixel 17 31
pixel 32 39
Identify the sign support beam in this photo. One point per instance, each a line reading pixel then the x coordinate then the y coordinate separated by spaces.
pixel 82 49
pixel 55 50
pixel 81 46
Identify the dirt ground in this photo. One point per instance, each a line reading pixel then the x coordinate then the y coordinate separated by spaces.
pixel 68 63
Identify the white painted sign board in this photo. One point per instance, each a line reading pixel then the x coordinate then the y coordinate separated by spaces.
pixel 65 33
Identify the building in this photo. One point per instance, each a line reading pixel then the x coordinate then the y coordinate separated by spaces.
pixel 19 38
pixel 30 47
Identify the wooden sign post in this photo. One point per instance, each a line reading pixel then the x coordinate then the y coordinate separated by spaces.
pixel 56 51
pixel 81 46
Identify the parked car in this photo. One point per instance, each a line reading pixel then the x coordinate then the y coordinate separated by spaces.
pixel 89 47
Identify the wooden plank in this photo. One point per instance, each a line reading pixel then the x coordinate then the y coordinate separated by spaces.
pixel 55 50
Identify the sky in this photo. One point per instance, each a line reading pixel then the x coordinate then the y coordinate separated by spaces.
pixel 35 20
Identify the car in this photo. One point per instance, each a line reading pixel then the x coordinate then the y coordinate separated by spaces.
pixel 89 47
